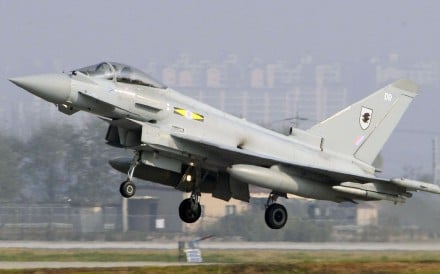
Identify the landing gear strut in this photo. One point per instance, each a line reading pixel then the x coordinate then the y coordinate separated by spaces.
pixel 190 209
pixel 128 188
pixel 276 214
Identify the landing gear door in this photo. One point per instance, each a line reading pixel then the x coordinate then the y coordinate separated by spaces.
pixel 151 135
pixel 156 160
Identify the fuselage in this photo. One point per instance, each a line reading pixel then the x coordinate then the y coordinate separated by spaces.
pixel 159 108
pixel 145 115
pixel 193 147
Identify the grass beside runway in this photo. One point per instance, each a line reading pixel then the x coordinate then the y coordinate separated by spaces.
pixel 236 261
pixel 213 256
pixel 332 267
pixel 89 255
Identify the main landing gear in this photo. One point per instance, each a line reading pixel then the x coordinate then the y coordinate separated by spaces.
pixel 128 188
pixel 190 209
pixel 276 214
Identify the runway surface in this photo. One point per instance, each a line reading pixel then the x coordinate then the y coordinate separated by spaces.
pixel 428 246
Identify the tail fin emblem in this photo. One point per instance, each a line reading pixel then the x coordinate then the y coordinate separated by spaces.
pixel 365 117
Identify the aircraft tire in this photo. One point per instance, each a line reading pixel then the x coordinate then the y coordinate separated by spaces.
pixel 127 189
pixel 275 216
pixel 187 213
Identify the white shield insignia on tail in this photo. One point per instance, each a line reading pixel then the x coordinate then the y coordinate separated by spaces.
pixel 365 117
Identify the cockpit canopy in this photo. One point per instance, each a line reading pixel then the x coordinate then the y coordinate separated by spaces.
pixel 121 73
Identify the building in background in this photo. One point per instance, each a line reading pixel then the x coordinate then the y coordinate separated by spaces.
pixel 262 92
pixel 366 215
pixel 423 73
pixel 153 209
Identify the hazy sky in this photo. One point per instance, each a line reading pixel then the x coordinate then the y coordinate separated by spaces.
pixel 82 32
pixel 40 36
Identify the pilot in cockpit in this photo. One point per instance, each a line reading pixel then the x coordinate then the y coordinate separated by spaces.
pixel 125 75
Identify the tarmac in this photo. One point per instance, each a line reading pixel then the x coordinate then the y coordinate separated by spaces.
pixel 343 246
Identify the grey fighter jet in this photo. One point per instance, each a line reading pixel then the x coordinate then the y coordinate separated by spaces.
pixel 192 147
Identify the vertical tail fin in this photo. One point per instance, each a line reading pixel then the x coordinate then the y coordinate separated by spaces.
pixel 363 128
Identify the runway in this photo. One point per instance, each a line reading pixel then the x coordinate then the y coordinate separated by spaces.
pixel 345 246
pixel 208 245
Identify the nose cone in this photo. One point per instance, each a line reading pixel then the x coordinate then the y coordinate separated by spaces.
pixel 51 87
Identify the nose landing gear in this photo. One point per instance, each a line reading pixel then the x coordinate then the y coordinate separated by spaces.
pixel 128 188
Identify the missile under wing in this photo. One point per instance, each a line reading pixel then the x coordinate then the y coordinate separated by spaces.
pixel 182 143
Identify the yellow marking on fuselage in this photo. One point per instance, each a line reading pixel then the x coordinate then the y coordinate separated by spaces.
pixel 189 114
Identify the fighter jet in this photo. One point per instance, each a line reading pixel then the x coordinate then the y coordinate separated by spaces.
pixel 182 143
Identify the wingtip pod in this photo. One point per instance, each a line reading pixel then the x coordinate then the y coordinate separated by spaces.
pixel 407 85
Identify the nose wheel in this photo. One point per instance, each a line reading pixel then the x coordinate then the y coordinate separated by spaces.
pixel 276 214
pixel 128 188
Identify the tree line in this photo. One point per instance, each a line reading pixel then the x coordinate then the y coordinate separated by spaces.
pixel 58 164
